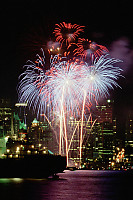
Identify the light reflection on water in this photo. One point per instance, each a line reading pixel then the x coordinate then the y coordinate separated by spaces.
pixel 72 185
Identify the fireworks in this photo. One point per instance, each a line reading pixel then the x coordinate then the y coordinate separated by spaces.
pixel 69 79
pixel 47 87
pixel 100 77
pixel 64 80
pixel 85 47
pixel 70 86
pixel 66 32
pixel 28 89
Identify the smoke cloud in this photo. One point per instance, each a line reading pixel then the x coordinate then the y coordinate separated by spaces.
pixel 121 49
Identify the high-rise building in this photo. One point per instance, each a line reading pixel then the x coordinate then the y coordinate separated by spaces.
pixel 98 136
pixel 100 146
pixel 129 138
pixel 10 122
pixel 5 117
pixel 73 141
pixel 40 134
pixel 5 123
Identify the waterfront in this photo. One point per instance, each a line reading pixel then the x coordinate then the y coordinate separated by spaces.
pixel 71 185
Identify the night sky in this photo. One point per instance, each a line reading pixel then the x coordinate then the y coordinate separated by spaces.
pixel 27 25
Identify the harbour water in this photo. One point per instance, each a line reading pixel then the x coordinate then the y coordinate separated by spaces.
pixel 71 185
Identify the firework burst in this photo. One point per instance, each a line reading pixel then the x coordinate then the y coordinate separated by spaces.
pixel 29 87
pixel 42 89
pixel 85 47
pixel 100 77
pixel 66 32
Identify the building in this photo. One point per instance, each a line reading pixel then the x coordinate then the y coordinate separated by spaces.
pixel 10 123
pixel 129 139
pixel 100 146
pixel 40 134
pixel 5 123
pixel 5 117
pixel 74 132
pixel 2 146
pixel 98 137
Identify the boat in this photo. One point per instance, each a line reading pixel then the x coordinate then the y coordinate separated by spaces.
pixel 32 166
pixel 27 162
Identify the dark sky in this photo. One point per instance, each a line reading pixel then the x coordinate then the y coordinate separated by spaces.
pixel 25 24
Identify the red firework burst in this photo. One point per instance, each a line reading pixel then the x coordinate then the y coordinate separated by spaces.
pixel 86 47
pixel 66 32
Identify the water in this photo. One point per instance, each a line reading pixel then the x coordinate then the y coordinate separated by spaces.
pixel 72 185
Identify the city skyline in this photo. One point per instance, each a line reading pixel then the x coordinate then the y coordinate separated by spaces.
pixel 102 147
